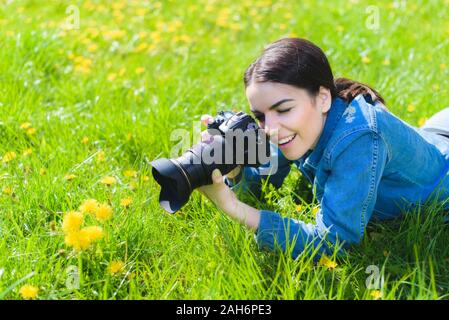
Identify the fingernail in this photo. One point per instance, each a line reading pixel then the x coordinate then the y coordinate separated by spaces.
pixel 216 173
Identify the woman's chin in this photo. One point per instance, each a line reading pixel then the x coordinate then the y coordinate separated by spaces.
pixel 293 153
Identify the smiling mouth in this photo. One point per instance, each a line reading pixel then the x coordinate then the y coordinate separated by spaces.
pixel 286 140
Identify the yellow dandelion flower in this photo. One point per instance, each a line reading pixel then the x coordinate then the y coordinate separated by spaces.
pixel 126 202
pixel 146 178
pixel 8 156
pixel 92 48
pixel 89 206
pixel 69 177
pixel 121 72
pixel 366 60
pixel 25 125
pixel 443 66
pixel 85 140
pixel 72 221
pixel 28 291
pixel 299 208
pixel 27 152
pixel 118 5
pixel 340 28
pixel 31 131
pixel 140 12
pixel 410 108
pixel 327 262
pixel 77 240
pixel 133 185
pixel 151 47
pixel 42 171
pixel 141 47
pixel 108 180
pixel 129 136
pixel 315 210
pixel 115 34
pixel 376 294
pixel 386 62
pixel 8 190
pixel 115 267
pixel 232 26
pixel 142 34
pixel 82 69
pixel 93 32
pixel 103 213
pixel 92 233
pixel 101 156
pixel 130 173
pixel 422 121
pixel 139 70
pixel 111 77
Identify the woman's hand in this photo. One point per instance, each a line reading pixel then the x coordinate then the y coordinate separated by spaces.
pixel 223 197
pixel 218 192
pixel 206 119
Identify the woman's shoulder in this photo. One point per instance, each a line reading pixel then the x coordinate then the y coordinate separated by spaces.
pixel 357 118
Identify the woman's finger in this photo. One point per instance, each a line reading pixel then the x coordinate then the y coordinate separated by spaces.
pixel 217 177
pixel 234 172
pixel 206 119
pixel 205 136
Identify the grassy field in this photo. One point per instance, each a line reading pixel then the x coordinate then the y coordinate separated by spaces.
pixel 87 103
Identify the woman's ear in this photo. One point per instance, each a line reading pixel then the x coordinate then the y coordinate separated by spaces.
pixel 324 99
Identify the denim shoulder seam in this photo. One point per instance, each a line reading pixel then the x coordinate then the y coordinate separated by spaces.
pixel 374 161
pixel 373 171
pixel 387 147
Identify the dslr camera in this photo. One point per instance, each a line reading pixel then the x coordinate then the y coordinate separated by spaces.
pixel 235 139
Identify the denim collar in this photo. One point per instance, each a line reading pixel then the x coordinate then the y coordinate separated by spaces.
pixel 313 157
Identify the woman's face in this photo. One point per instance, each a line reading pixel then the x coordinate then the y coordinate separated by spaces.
pixel 289 115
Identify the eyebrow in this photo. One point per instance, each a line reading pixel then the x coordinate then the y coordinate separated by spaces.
pixel 277 104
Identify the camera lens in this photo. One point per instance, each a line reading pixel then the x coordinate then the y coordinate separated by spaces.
pixel 179 177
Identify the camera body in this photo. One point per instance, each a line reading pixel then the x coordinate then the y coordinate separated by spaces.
pixel 235 139
pixel 227 121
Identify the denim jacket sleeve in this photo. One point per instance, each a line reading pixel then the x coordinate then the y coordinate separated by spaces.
pixel 347 204
pixel 250 178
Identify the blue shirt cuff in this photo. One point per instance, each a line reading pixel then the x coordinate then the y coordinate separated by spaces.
pixel 270 226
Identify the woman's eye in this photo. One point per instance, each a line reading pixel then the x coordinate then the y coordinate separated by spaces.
pixel 284 111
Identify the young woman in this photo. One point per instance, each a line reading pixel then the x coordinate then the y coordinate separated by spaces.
pixel 363 161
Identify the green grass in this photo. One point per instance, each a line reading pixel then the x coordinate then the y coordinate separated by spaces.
pixel 198 253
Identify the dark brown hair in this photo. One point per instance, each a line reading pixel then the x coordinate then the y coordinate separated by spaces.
pixel 301 63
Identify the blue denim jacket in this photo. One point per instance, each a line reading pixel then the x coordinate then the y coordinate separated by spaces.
pixel 367 164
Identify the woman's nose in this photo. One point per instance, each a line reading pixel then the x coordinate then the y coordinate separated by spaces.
pixel 270 127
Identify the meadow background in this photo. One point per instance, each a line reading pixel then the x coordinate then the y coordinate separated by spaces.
pixel 86 104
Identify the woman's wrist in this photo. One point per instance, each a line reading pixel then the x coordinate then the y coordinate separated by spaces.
pixel 243 213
